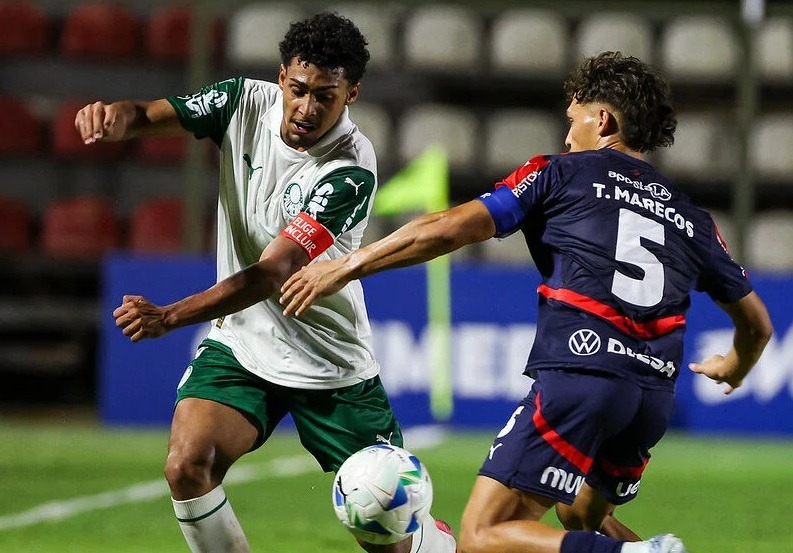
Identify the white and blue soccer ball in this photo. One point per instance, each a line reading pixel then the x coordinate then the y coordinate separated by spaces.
pixel 382 494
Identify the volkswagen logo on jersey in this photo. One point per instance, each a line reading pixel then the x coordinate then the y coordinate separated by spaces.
pixel 659 191
pixel 293 200
pixel 584 342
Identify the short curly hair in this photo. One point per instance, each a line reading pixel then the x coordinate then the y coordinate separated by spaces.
pixel 327 40
pixel 640 97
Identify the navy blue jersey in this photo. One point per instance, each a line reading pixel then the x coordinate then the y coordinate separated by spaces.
pixel 619 250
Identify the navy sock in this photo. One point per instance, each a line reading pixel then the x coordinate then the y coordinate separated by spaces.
pixel 589 542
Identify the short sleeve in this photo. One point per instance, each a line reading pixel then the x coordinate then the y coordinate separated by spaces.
pixel 722 278
pixel 519 195
pixel 208 112
pixel 341 198
pixel 338 202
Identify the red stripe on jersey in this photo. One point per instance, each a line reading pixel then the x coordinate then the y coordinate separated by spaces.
pixel 648 329
pixel 309 234
pixel 562 446
pixel 618 471
pixel 526 173
pixel 721 240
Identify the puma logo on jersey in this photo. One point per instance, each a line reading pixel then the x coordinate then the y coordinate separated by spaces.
pixel 249 163
pixel 383 439
pixel 351 182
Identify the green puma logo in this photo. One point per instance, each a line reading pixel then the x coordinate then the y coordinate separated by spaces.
pixel 251 169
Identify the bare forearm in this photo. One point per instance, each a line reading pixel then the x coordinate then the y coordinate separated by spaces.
pixel 423 239
pixel 415 243
pixel 748 345
pixel 241 290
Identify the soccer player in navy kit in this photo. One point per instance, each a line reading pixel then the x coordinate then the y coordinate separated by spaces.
pixel 619 249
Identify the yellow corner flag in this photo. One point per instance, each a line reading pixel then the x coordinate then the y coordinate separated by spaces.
pixel 424 186
pixel 421 186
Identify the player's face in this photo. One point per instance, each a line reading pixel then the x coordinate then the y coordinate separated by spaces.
pixel 584 132
pixel 314 99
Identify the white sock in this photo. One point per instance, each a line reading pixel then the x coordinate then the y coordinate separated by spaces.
pixel 634 547
pixel 430 539
pixel 209 524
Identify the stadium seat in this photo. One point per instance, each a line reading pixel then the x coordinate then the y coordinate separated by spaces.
pixel 82 227
pixel 156 226
pixel 443 38
pixel 772 146
pixel 770 237
pixel 452 128
pixel 377 23
pixel 15 224
pixel 24 29
pixel 699 48
pixel 20 131
pixel 515 136
pixel 166 150
pixel 529 42
pixel 627 33
pixel 373 121
pixel 100 32
pixel 255 31
pixel 67 144
pixel 168 35
pixel 704 147
pixel 774 49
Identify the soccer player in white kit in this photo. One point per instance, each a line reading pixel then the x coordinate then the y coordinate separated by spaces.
pixel 297 180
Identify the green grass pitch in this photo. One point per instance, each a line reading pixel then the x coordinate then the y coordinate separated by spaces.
pixel 721 496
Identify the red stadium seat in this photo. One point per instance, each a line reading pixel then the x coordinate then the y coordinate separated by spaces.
pixel 20 131
pixel 100 32
pixel 82 227
pixel 67 144
pixel 168 35
pixel 15 224
pixel 24 29
pixel 156 226
pixel 171 150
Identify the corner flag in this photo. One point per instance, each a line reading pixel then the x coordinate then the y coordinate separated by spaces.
pixel 423 185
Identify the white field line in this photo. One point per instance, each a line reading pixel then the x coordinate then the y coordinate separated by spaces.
pixel 54 511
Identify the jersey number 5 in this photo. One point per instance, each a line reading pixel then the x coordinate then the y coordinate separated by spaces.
pixel 648 290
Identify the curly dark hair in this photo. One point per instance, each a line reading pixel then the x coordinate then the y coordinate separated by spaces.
pixel 327 40
pixel 640 97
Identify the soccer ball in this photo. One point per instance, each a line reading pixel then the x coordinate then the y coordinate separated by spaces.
pixel 382 494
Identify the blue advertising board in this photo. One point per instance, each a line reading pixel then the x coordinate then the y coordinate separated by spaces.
pixel 494 319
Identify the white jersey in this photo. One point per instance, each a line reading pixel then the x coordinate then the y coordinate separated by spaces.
pixel 319 198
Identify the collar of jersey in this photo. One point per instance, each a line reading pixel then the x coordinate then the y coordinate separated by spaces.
pixel 272 120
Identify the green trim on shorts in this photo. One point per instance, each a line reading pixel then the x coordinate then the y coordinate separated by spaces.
pixel 332 424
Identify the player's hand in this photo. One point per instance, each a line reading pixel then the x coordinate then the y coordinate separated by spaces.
pixel 721 369
pixel 139 318
pixel 100 121
pixel 309 283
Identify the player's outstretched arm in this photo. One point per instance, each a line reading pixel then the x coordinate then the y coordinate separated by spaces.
pixel 420 240
pixel 124 120
pixel 753 330
pixel 139 318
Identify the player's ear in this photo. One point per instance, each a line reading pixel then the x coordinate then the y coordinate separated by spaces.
pixel 352 93
pixel 607 122
pixel 282 76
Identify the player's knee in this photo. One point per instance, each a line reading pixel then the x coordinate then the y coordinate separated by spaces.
pixel 188 474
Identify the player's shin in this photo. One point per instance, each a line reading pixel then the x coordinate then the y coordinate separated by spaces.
pixel 209 524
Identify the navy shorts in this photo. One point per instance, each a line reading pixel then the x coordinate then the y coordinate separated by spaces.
pixel 579 427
